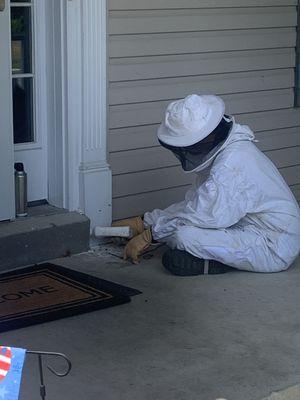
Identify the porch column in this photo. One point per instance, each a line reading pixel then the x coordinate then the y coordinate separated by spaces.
pixel 88 172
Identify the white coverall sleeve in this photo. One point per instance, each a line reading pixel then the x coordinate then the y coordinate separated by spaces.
pixel 220 202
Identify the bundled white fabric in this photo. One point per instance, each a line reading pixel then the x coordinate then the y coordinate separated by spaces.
pixel 243 215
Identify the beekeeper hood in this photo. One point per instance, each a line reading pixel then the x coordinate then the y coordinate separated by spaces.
pixel 195 129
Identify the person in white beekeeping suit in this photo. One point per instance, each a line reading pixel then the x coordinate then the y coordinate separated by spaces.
pixel 239 214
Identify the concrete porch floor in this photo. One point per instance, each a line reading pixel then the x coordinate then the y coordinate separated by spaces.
pixel 234 336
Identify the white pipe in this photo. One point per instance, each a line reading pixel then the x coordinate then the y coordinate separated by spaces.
pixel 114 231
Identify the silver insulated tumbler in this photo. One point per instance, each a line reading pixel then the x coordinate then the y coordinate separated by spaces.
pixel 20 190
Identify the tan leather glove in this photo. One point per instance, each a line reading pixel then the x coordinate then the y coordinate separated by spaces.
pixel 135 223
pixel 137 245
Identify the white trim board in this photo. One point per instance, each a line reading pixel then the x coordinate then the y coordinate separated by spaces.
pixel 88 178
pixel 80 177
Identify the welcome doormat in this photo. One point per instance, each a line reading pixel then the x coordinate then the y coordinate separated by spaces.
pixel 46 292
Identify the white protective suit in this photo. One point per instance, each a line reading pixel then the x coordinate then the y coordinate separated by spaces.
pixel 243 215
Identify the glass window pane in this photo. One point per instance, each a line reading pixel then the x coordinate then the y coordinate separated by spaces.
pixel 22 110
pixel 21 39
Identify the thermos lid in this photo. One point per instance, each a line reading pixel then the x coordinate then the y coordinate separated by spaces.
pixel 19 166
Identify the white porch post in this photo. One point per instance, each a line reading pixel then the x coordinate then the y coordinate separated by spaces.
pixel 88 176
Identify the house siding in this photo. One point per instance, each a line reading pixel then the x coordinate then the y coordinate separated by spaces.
pixel 159 51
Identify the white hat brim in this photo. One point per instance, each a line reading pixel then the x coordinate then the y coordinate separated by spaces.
pixel 216 112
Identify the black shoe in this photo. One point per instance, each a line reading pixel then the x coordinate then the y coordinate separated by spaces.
pixel 180 262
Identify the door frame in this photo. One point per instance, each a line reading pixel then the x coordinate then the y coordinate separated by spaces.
pixel 79 174
pixel 38 149
pixel 7 211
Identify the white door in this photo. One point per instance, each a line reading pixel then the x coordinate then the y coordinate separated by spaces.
pixel 29 126
pixel 7 206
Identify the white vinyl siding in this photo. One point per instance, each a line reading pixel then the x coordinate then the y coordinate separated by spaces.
pixel 159 51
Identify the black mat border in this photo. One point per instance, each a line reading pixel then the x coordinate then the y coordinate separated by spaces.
pixel 121 296
pixel 88 279
pixel 95 296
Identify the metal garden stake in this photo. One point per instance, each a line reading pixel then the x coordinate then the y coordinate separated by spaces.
pixel 59 374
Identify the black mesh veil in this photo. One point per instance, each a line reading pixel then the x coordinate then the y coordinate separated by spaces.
pixel 193 156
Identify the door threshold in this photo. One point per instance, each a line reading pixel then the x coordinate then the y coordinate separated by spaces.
pixel 40 210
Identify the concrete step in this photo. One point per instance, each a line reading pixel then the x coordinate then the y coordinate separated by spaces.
pixel 48 232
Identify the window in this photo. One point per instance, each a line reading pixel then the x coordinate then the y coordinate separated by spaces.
pixel 22 70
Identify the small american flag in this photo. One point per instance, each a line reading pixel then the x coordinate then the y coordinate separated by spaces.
pixel 11 365
pixel 5 361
